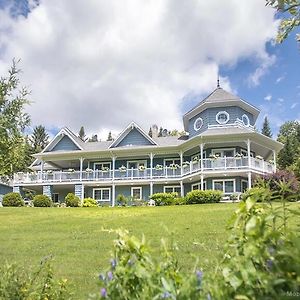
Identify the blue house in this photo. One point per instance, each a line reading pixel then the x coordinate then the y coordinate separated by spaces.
pixel 221 151
pixel 4 189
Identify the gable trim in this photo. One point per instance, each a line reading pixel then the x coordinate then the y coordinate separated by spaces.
pixel 127 130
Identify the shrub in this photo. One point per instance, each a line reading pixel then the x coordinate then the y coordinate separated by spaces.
pixel 12 199
pixel 42 201
pixel 200 197
pixel 89 202
pixel 72 200
pixel 17 283
pixel 164 198
pixel 260 194
pixel 122 200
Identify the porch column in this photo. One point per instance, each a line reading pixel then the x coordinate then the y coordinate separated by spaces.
pixel 79 191
pixel 202 182
pixel 113 167
pixel 249 180
pixel 181 162
pixel 201 156
pixel 48 190
pixel 274 159
pixel 151 165
pixel 17 189
pixel 181 189
pixel 81 167
pixel 113 195
pixel 249 152
pixel 42 170
pixel 151 188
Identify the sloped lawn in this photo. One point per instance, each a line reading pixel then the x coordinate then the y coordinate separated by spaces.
pixel 80 248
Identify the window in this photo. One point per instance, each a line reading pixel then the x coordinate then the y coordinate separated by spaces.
pixel 136 193
pixel 101 194
pixel 198 124
pixel 136 164
pixel 230 152
pixel 101 165
pixel 227 186
pixel 244 186
pixel 245 120
pixel 222 117
pixel 172 161
pixel 55 197
pixel 172 189
pixel 245 153
pixel 197 186
pixel 196 157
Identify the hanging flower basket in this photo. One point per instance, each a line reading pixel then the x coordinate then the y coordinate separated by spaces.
pixel 185 164
pixel 122 169
pixel 196 159
pixel 259 157
pixel 49 172
pixel 71 170
pixel 271 161
pixel 88 170
pixel 158 167
pixel 238 155
pixel 214 156
pixel 174 166
pixel 105 169
pixel 142 168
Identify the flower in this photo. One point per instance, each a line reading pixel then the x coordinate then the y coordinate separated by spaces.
pixel 166 295
pixel 71 170
pixel 103 293
pixel 88 170
pixel 105 169
pixel 199 275
pixel 174 166
pixel 113 263
pixel 158 167
pixel 186 163
pixel 195 159
pixel 238 155
pixel 142 168
pixel 259 157
pixel 122 168
pixel 110 275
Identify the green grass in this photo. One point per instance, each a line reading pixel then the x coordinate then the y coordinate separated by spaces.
pixel 74 236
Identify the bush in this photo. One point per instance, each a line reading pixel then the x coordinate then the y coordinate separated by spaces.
pixel 72 200
pixel 260 194
pixel 42 201
pixel 122 200
pixel 12 199
pixel 89 202
pixel 17 283
pixel 200 197
pixel 164 198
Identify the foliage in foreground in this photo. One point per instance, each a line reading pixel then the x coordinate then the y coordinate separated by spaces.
pixel 261 244
pixel 42 201
pixel 16 283
pixel 200 197
pixel 72 200
pixel 12 199
pixel 89 202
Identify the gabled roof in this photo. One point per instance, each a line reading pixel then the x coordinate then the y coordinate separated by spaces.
pixel 219 97
pixel 60 135
pixel 127 130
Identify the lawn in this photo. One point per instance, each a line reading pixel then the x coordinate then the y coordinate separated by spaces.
pixel 74 236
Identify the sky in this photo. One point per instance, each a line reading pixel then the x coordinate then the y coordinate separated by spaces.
pixel 103 64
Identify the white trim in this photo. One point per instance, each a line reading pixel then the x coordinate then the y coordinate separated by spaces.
pixel 198 128
pixel 135 188
pixel 53 197
pixel 126 131
pixel 137 161
pixel 199 185
pixel 247 118
pixel 101 189
pixel 224 180
pixel 225 113
pixel 245 181
pixel 171 186
pixel 101 163
pixel 213 151
pixel 171 159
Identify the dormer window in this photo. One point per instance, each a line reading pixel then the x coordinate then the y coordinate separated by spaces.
pixel 222 117
pixel 198 124
pixel 245 120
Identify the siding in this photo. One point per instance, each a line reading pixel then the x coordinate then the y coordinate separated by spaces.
pixel 134 137
pixel 209 117
pixel 4 189
pixel 65 144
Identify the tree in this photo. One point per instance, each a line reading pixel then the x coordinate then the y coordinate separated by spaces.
pixel 94 138
pixel 39 138
pixel 289 10
pixel 13 122
pixel 81 133
pixel 266 129
pixel 109 138
pixel 160 132
pixel 150 132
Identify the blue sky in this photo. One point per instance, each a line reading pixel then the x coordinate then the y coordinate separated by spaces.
pixel 105 64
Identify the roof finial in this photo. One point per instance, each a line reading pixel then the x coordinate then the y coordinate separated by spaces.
pixel 218 81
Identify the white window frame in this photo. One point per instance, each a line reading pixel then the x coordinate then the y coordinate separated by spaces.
pixel 101 189
pixel 195 123
pixel 137 188
pixel 248 120
pixel 172 161
pixel 138 163
pixel 173 187
pixel 222 112
pixel 213 151
pixel 243 181
pixel 224 180
pixel 101 163
pixel 198 184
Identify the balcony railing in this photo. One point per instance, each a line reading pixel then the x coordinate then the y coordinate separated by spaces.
pixel 208 164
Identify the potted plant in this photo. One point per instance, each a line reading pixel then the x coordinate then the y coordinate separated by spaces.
pixel 71 170
pixel 142 168
pixel 174 166
pixel 122 169
pixel 185 164
pixel 238 155
pixel 159 167
pixel 88 170
pixel 105 169
pixel 259 157
pixel 196 159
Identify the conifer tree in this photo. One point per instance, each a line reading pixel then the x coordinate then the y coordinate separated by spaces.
pixel 150 132
pixel 266 129
pixel 109 138
pixel 81 133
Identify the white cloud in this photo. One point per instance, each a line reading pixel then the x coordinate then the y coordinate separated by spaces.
pixel 279 79
pixel 268 97
pixel 106 63
pixel 294 105
pixel 281 100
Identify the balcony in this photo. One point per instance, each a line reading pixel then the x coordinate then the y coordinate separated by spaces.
pixel 209 165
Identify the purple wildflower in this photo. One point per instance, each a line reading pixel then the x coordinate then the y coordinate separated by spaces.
pixel 199 275
pixel 103 293
pixel 102 277
pixel 113 263
pixel 166 295
pixel 269 264
pixel 110 275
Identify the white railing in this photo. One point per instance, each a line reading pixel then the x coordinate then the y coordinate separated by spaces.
pixel 208 164
pixel 238 123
